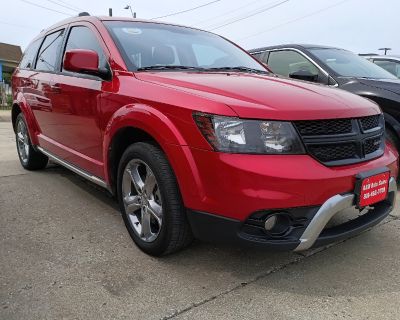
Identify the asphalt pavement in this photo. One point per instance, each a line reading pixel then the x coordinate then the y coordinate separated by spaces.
pixel 65 254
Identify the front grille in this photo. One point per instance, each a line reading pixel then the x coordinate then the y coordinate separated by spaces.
pixel 368 123
pixel 373 144
pixel 343 141
pixel 324 127
pixel 334 152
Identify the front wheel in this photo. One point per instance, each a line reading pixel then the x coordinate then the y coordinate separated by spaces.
pixel 150 201
pixel 30 158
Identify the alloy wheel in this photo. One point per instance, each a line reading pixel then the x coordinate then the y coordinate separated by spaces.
pixel 22 141
pixel 142 200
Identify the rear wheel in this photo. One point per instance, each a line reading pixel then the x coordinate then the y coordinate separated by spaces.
pixel 30 158
pixel 150 201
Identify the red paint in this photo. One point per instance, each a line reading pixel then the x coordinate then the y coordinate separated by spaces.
pixel 78 60
pixel 76 118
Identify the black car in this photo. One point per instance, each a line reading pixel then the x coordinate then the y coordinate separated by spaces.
pixel 339 68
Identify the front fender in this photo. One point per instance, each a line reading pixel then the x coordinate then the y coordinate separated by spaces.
pixel 146 118
pixel 391 110
pixel 388 101
pixel 169 138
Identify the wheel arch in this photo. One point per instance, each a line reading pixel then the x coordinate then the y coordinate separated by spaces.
pixel 15 111
pixel 20 106
pixel 140 123
pixel 120 141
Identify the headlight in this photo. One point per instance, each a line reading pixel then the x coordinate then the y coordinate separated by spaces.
pixel 235 135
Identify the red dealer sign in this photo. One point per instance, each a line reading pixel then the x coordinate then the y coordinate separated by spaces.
pixel 373 189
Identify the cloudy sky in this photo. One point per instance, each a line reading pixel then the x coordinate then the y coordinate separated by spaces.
pixel 357 25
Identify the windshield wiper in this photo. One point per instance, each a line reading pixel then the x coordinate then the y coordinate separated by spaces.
pixel 238 68
pixel 178 67
pixel 167 67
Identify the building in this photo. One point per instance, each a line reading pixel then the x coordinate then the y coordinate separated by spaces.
pixel 10 56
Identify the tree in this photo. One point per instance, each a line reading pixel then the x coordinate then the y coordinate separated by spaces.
pixel 7 77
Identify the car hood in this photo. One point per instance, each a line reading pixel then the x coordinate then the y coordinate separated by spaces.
pixel 386 84
pixel 266 97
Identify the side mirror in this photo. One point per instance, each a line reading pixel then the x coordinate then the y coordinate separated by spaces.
pixel 304 75
pixel 84 61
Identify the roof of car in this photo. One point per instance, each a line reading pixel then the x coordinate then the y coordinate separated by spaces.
pixel 384 57
pixel 97 19
pixel 293 45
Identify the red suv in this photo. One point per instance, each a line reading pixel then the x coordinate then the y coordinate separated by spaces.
pixel 196 139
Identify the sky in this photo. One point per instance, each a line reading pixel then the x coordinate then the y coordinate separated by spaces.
pixel 362 26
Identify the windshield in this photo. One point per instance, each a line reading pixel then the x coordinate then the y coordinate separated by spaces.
pixel 156 46
pixel 347 64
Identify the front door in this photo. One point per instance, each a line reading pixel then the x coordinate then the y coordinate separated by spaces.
pixel 76 134
pixel 290 63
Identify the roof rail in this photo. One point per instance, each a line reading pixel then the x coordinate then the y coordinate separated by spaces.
pixel 83 14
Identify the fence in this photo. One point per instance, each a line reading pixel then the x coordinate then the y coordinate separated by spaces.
pixel 5 91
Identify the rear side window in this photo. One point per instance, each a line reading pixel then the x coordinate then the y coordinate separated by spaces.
pixel 287 62
pixel 84 38
pixel 50 51
pixel 30 54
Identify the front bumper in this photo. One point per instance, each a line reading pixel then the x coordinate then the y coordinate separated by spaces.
pixel 309 224
pixel 237 185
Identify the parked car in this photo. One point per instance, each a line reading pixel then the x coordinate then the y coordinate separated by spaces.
pixel 389 63
pixel 196 139
pixel 339 68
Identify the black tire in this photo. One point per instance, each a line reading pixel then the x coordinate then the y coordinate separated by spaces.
pixel 33 160
pixel 174 233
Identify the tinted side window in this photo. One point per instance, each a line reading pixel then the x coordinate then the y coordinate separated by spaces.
pixel 29 55
pixel 391 66
pixel 83 38
pixel 288 62
pixel 257 55
pixel 49 52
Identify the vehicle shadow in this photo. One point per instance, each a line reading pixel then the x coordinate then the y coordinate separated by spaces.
pixel 98 192
pixel 344 269
pixel 251 259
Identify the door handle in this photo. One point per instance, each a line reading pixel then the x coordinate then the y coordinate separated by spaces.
pixel 55 88
pixel 26 82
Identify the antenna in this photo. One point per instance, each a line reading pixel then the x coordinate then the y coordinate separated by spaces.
pixel 83 14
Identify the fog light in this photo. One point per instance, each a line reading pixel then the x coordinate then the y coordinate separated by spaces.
pixel 270 223
pixel 278 223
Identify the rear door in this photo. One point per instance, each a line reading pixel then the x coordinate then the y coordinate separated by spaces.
pixel 36 77
pixel 76 131
pixel 29 83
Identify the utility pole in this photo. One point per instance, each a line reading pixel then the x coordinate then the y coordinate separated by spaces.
pixel 385 49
